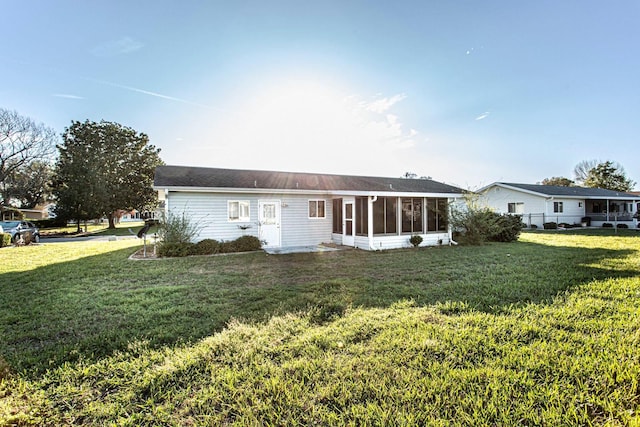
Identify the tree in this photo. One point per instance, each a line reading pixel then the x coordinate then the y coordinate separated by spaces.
pixel 22 142
pixel 609 175
pixel 413 175
pixel 30 185
pixel 581 171
pixel 104 167
pixel 558 180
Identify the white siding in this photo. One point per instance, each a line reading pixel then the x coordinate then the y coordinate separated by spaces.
pixel 209 212
pixel 537 209
pixel 498 199
pixel 401 241
pixel 298 229
pixel 572 211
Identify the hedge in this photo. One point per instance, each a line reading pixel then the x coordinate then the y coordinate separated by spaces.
pixel 209 247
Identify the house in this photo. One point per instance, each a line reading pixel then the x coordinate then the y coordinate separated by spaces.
pixel 134 215
pixel 571 205
pixel 286 209
pixel 39 212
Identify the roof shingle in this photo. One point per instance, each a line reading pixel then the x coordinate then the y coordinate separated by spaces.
pixel 560 191
pixel 186 176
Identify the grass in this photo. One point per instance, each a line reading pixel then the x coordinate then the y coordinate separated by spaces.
pixel 542 331
pixel 122 229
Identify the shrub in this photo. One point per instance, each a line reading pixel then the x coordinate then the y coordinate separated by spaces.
pixel 207 247
pixel 5 240
pixel 607 225
pixel 172 249
pixel 57 222
pixel 242 244
pixel 507 229
pixel 622 226
pixel 176 233
pixel 177 229
pixel 533 227
pixel 549 225
pixel 478 225
pixel 415 240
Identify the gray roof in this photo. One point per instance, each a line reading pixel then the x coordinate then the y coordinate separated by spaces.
pixel 198 177
pixel 560 191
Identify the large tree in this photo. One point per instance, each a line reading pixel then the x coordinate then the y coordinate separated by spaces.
pixel 24 145
pixel 608 175
pixel 31 185
pixel 558 181
pixel 581 171
pixel 104 167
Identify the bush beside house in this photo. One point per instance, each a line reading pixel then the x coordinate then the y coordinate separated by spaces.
pixel 475 225
pixel 177 233
pixel 209 247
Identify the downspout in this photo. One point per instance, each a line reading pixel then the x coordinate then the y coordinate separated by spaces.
pixel 372 200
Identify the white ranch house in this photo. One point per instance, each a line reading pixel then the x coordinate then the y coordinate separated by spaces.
pixel 571 205
pixel 286 209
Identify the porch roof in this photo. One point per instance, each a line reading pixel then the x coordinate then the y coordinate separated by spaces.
pixel 216 178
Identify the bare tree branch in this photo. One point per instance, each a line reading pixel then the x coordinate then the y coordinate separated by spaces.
pixel 22 141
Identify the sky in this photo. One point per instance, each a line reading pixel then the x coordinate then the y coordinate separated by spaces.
pixel 465 92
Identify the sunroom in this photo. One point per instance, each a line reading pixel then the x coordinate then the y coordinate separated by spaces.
pixel 387 222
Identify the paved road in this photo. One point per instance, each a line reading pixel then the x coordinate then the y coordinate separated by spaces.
pixel 99 238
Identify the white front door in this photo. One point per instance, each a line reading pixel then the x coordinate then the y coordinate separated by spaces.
pixel 269 220
pixel 348 225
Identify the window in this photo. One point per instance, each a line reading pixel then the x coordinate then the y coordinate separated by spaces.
pixel 437 215
pixel 317 209
pixel 337 216
pixel 557 207
pixel 385 215
pixel 362 216
pixel 515 208
pixel 238 210
pixel 411 215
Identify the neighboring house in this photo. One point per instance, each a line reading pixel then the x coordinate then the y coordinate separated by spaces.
pixel 299 209
pixel 571 205
pixel 135 215
pixel 39 212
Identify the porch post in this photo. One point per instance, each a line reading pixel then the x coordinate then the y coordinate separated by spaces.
pixel 370 201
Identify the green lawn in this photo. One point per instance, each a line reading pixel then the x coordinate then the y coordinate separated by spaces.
pixel 544 331
pixel 122 229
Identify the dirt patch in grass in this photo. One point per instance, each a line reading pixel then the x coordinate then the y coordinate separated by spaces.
pixel 142 254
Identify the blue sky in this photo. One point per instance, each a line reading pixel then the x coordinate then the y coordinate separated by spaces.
pixel 466 92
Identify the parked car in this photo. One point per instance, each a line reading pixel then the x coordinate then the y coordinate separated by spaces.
pixel 21 230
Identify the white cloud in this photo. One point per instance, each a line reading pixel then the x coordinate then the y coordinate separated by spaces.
pixel 66 96
pixel 483 115
pixel 383 104
pixel 123 45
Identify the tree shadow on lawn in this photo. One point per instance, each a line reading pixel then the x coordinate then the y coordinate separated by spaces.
pixel 92 307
